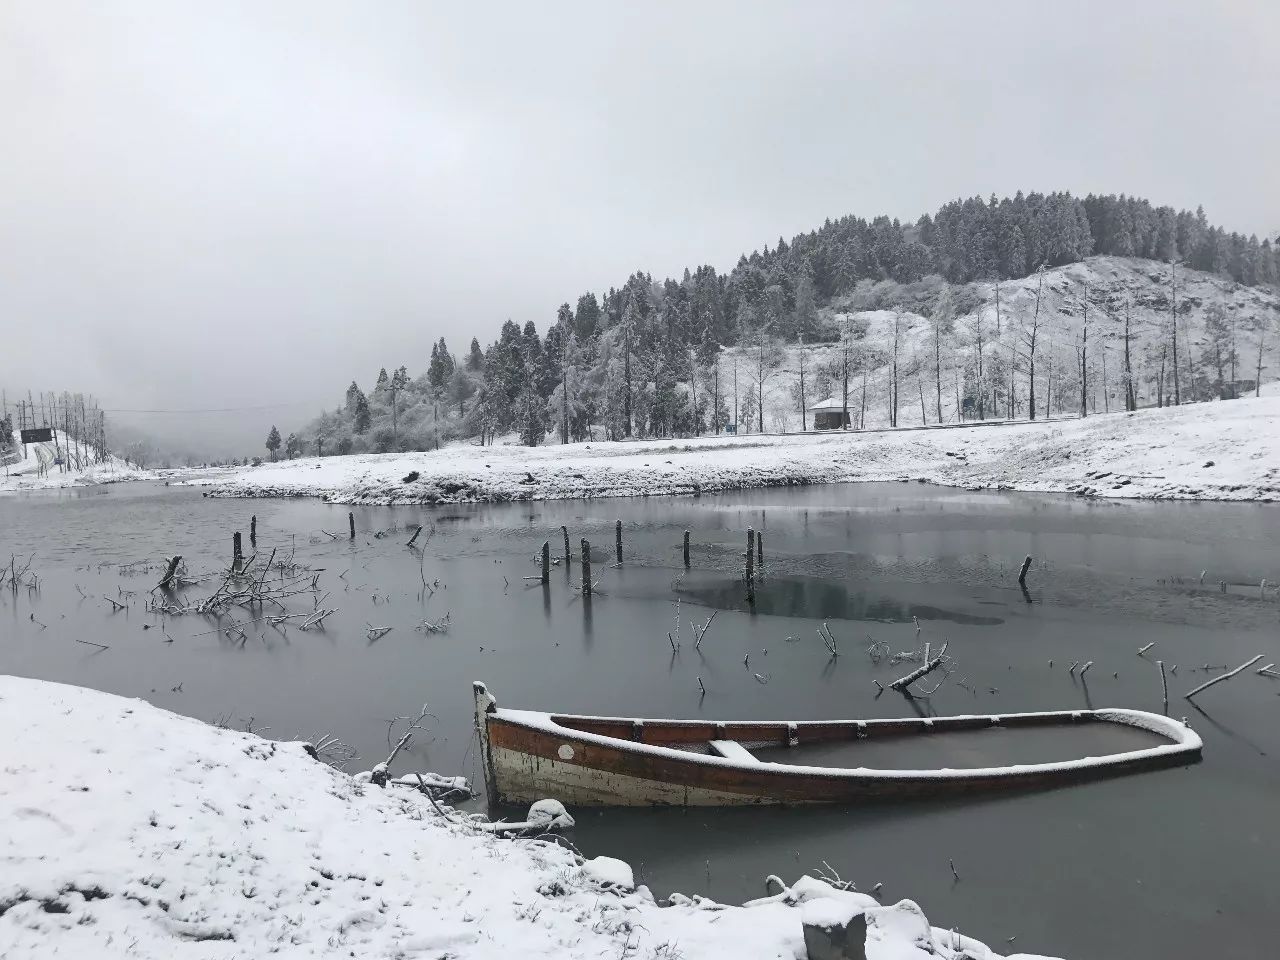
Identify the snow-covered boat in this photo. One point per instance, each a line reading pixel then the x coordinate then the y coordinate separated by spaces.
pixel 616 761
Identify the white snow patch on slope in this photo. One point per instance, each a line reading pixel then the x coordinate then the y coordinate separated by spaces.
pixel 133 832
pixel 24 473
pixel 1225 450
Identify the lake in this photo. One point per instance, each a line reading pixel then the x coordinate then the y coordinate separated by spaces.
pixel 1179 862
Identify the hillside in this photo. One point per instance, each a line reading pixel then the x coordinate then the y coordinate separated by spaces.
pixel 1108 284
pixel 647 358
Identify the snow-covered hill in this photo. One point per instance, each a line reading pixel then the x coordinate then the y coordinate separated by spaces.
pixel 39 468
pixel 1107 283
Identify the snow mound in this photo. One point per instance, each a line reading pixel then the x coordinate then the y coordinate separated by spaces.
pixel 134 832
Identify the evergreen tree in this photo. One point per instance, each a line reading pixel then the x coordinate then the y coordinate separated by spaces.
pixel 475 357
pixel 361 418
pixel 273 441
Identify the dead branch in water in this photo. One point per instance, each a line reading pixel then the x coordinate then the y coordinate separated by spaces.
pixel 700 632
pixel 929 666
pixel 828 640
pixel 1226 676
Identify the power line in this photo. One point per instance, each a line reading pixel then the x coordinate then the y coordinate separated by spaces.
pixel 265 406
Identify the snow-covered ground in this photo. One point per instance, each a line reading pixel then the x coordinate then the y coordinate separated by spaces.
pixel 134 832
pixel 40 471
pixel 1227 450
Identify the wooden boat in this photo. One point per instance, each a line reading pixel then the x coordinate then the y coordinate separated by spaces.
pixel 615 761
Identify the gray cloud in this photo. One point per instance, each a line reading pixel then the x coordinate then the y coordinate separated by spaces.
pixel 217 205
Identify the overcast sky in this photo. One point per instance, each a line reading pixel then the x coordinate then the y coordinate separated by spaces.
pixel 229 204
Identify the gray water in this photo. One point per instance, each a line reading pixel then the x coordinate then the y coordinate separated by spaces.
pixel 1172 863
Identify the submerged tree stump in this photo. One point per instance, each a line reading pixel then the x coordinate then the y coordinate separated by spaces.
pixel 1022 574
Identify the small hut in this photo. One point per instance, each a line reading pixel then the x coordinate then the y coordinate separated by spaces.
pixel 829 414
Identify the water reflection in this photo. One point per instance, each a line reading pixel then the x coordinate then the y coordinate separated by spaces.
pixel 790 596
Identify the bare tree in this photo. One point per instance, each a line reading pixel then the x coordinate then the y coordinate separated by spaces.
pixel 1029 337
pixel 1173 327
pixel 803 420
pixel 941 322
pixel 1130 401
pixel 1083 354
pixel 896 331
pixel 767 357
pixel 1257 383
pixel 846 348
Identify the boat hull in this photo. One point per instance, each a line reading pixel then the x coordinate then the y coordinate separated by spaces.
pixel 595 761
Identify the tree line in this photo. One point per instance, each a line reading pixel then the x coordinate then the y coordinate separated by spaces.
pixel 641 359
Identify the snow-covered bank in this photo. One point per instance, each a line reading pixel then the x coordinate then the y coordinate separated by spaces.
pixel 1211 451
pixel 39 469
pixel 131 831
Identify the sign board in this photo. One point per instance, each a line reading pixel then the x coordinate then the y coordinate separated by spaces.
pixel 37 435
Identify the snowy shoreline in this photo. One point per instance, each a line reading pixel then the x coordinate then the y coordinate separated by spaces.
pixel 1225 451
pixel 138 832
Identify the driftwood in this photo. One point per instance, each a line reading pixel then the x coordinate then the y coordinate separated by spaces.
pixel 929 666
pixel 1226 676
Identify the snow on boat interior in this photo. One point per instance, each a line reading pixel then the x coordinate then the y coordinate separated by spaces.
pixel 614 761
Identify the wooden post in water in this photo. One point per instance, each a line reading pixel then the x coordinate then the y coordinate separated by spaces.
pixel 586 568
pixel 568 557
pixel 1164 684
pixel 546 562
pixel 686 549
pixel 760 550
pixel 253 530
pixel 237 555
pixel 351 524
pixel 1022 574
pixel 617 539
pixel 751 571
